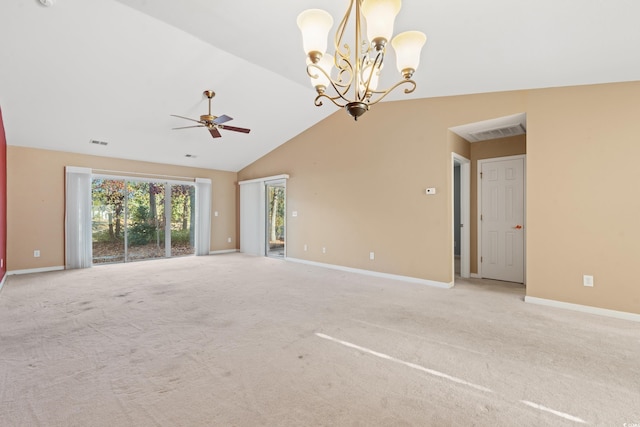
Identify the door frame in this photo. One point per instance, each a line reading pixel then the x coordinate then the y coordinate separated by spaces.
pixel 465 215
pixel 252 214
pixel 524 202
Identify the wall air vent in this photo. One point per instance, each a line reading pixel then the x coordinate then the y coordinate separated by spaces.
pixel 191 156
pixel 96 142
pixel 501 132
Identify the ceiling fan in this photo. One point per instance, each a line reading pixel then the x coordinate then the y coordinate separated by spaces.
pixel 211 122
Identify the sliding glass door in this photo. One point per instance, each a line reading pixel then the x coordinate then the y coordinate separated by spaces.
pixel 183 216
pixel 108 219
pixel 144 231
pixel 275 193
pixel 138 220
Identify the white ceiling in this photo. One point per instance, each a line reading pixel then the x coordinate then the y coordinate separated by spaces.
pixel 114 70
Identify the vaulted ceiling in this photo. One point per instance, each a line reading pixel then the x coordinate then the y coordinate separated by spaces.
pixel 115 70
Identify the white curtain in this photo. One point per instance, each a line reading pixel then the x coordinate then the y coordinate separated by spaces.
pixel 77 217
pixel 252 218
pixel 203 216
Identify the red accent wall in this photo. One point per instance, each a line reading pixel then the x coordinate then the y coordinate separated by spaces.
pixel 3 199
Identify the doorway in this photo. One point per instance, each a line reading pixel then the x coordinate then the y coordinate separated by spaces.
pixel 501 199
pixel 275 192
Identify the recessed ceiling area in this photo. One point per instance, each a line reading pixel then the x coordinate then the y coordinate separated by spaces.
pixel 500 127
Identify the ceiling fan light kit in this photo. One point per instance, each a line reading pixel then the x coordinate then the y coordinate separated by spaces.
pixel 361 73
pixel 211 122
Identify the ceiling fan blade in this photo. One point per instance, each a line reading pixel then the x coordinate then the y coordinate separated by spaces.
pixel 214 132
pixel 235 129
pixel 222 119
pixel 187 118
pixel 187 127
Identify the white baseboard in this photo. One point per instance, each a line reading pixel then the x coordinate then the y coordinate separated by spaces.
pixel 475 276
pixel 584 308
pixel 224 251
pixel 406 279
pixel 35 270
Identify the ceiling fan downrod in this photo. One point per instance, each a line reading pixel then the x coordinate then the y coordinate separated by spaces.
pixel 208 117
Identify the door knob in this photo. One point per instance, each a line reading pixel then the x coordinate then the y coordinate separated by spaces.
pixel 518 227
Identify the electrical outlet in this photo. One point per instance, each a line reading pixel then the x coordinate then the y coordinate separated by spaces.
pixel 587 280
pixel 228 239
pixel 372 256
pixel 36 253
pixel 305 248
pixel 324 250
pixel 216 213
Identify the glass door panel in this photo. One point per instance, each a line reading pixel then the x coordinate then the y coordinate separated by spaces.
pixel 275 219
pixel 135 220
pixel 108 211
pixel 145 234
pixel 183 200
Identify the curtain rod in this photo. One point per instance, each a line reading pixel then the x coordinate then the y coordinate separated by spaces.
pixel 153 175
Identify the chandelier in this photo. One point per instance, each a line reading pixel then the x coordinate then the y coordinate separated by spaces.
pixel 354 85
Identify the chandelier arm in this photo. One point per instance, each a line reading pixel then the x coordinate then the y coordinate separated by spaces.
pixel 386 92
pixel 377 63
pixel 358 70
pixel 336 85
pixel 342 62
pixel 340 33
pixel 340 80
pixel 340 93
pixel 314 76
pixel 318 101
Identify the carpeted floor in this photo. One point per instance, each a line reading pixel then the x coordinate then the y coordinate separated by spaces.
pixel 234 340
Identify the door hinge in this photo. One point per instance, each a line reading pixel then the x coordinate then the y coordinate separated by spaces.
pixel 480 217
pixel 480 259
pixel 480 175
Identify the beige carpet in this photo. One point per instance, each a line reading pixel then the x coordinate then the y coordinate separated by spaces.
pixel 232 340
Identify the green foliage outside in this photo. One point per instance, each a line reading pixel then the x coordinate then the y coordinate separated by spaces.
pixel 145 204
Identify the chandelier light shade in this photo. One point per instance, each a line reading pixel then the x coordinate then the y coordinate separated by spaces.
pixel 321 80
pixel 314 25
pixel 408 46
pixel 349 76
pixel 380 16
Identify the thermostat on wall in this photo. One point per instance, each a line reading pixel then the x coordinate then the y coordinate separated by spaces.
pixel 431 190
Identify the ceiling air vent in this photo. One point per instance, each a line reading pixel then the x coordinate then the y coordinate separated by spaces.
pixel 96 142
pixel 501 132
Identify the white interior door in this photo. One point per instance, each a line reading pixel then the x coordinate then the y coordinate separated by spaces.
pixel 502 219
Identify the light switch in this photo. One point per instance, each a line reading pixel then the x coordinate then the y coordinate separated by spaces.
pixel 294 213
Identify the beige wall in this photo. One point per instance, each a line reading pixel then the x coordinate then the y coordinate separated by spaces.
pixel 35 201
pixel 359 187
pixel 582 203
